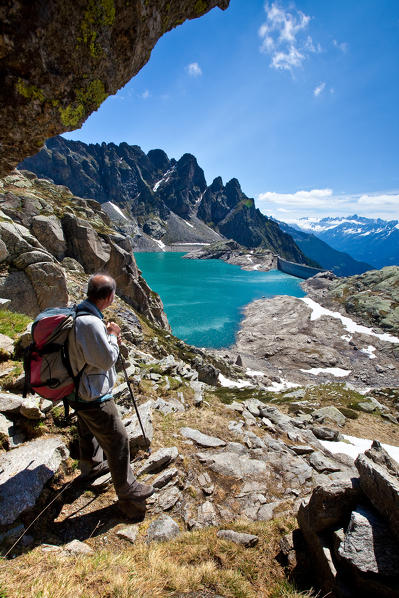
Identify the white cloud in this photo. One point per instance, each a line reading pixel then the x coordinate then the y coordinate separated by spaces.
pixel 343 46
pixel 145 95
pixel 315 197
pixel 376 200
pixel 324 202
pixel 319 89
pixel 194 69
pixel 284 37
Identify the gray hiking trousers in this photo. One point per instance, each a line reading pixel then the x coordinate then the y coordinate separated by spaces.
pixel 101 432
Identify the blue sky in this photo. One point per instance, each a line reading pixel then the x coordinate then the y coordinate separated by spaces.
pixel 298 100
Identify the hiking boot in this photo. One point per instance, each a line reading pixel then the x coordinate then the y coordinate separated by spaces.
pixel 132 509
pixel 140 491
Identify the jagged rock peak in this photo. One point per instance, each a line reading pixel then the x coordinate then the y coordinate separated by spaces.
pixel 217 184
pixel 159 158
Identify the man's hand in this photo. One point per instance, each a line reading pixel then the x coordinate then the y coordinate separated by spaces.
pixel 113 328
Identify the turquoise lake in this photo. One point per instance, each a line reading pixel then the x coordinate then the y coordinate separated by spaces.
pixel 204 299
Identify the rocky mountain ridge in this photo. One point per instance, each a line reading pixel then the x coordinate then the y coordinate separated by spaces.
pixel 44 231
pixel 166 202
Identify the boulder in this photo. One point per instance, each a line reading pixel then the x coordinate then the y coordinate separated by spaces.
pixel 30 408
pixel 302 449
pixel 274 415
pixel 4 303
pixel 206 515
pixel 48 230
pixel 171 406
pixel 25 471
pixel 3 252
pixel 233 465
pixel 49 283
pixel 129 533
pixel 328 506
pixel 158 460
pixel 31 257
pixel 323 464
pixel 133 428
pixel 85 245
pixel 16 238
pixel 198 388
pixel 162 529
pixel 329 413
pixel 6 427
pixel 10 404
pixel 207 373
pixel 247 540
pixel 323 433
pixel 254 406
pixel 202 439
pixel 168 498
pixel 205 481
pixel 381 485
pixel 266 511
pixel 70 264
pixel 164 478
pixel 76 547
pixel 17 287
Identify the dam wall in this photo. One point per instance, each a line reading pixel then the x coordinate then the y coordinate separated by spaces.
pixel 299 270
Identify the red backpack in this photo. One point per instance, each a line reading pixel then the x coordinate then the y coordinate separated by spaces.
pixel 47 366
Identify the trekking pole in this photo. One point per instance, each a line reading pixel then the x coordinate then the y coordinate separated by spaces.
pixel 120 357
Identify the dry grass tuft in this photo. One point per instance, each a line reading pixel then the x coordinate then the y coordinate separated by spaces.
pixel 195 561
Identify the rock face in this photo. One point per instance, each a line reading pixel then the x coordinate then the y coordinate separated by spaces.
pixel 161 202
pixel 65 60
pixel 350 529
pixel 43 223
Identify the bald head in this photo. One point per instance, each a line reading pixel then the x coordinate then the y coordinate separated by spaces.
pixel 100 287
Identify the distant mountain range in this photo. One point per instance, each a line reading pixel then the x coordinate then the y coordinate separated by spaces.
pixel 161 202
pixel 374 241
pixel 339 262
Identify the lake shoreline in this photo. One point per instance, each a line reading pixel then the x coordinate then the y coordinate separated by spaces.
pixel 204 299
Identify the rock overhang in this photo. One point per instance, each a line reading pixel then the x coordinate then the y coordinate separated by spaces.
pixel 60 60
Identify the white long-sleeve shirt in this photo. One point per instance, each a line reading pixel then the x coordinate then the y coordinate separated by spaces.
pixel 90 344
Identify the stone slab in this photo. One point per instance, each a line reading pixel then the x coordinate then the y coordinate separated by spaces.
pixel 25 471
pixel 202 439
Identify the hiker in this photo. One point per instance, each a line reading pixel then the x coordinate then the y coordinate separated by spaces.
pixel 93 351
